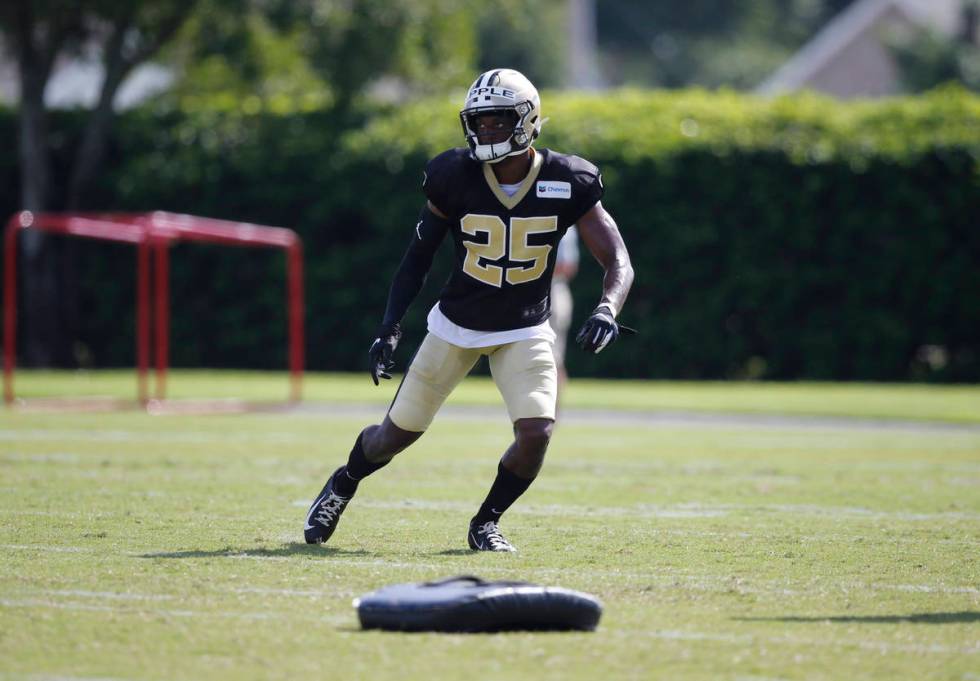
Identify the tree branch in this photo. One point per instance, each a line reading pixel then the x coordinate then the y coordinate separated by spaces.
pixel 90 153
pixel 117 64
pixel 167 29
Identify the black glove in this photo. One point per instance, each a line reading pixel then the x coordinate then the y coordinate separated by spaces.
pixel 382 349
pixel 599 330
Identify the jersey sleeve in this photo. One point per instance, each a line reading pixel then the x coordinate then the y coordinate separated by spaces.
pixel 437 179
pixel 587 187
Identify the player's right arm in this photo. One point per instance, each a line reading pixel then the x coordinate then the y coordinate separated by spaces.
pixel 429 232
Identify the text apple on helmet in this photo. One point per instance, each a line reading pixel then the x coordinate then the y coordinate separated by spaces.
pixel 495 91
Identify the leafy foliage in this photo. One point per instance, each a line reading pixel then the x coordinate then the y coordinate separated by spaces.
pixel 298 55
pixel 928 58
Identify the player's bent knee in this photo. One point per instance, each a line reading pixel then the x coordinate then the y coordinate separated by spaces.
pixel 533 434
pixel 382 443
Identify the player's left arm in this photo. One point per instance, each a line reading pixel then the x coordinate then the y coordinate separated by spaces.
pixel 601 236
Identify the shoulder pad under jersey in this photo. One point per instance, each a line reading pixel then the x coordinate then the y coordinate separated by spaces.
pixel 440 174
pixel 584 176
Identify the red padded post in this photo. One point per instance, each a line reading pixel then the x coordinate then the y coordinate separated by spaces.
pixel 161 249
pixel 294 294
pixel 14 225
pixel 142 321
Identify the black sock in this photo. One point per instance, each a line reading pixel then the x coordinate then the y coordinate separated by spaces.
pixel 357 468
pixel 504 492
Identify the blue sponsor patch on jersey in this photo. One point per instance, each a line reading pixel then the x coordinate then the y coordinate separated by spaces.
pixel 549 189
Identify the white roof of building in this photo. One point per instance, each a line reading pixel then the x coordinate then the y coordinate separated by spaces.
pixel 852 24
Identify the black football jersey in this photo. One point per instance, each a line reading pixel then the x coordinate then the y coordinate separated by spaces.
pixel 505 247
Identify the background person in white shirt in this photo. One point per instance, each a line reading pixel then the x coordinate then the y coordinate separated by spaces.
pixel 566 267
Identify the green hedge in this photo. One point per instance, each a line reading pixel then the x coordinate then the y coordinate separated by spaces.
pixel 787 238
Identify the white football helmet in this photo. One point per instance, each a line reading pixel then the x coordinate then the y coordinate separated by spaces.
pixel 502 91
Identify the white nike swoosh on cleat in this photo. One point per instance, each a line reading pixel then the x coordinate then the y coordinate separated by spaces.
pixel 306 525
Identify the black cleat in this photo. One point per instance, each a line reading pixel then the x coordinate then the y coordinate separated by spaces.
pixel 324 514
pixel 486 537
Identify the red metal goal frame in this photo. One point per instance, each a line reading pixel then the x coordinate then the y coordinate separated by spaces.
pixel 153 234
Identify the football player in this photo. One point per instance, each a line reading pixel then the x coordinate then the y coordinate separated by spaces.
pixel 506 205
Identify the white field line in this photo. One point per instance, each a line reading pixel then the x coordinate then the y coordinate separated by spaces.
pixel 47 549
pixel 881 647
pixel 178 436
pixel 913 588
pixel 107 595
pixel 136 596
pixel 674 511
pixel 851 512
pixel 52 457
pixel 558 464
pixel 773 425
pixel 910 588
pixel 836 538
pixel 658 418
pixel 39 603
pixel 547 509
pixel 57 677
pixel 298 593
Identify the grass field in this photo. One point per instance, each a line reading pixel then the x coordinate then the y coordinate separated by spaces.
pixel 953 403
pixel 170 547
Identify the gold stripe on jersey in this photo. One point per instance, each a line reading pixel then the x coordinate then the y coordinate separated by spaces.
pixel 510 202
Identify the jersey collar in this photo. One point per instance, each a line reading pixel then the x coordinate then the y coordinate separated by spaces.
pixel 510 202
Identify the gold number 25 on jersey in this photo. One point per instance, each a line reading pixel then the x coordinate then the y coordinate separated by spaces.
pixel 497 247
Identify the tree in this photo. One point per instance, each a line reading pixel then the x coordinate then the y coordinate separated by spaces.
pixel 283 55
pixel 927 57
pixel 288 54
pixel 124 33
pixel 704 42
